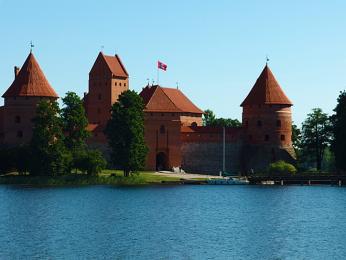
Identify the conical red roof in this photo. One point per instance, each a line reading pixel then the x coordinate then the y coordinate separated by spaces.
pixel 30 81
pixel 266 91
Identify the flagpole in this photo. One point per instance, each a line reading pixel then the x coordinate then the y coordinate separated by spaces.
pixel 158 74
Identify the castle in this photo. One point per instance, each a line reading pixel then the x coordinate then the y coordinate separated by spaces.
pixel 174 132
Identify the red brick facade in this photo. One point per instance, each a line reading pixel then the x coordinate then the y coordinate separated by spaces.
pixel 173 124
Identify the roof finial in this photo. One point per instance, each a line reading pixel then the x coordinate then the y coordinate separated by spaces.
pixel 102 47
pixel 148 81
pixel 177 83
pixel 267 60
pixel 31 46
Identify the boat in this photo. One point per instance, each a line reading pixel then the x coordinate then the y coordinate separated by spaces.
pixel 228 181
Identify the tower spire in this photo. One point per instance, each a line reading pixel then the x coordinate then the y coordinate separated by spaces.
pixel 31 46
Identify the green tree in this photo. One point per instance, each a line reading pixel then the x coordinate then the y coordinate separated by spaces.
pixel 49 155
pixel 316 136
pixel 90 162
pixel 296 137
pixel 339 132
pixel 125 133
pixel 209 119
pixel 74 122
pixel 282 168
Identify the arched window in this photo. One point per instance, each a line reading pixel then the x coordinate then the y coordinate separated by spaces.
pixel 278 123
pixel 162 129
pixel 259 123
pixel 20 134
pixel 282 137
pixel 17 119
pixel 194 124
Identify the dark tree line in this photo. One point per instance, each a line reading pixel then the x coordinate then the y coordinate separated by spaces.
pixel 209 119
pixel 322 138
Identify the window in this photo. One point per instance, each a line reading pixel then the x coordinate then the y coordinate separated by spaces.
pixel 162 114
pixel 99 96
pixel 259 123
pixel 116 83
pixel 173 114
pixel 124 84
pixel 282 137
pixel 194 124
pixel 17 119
pixel 162 129
pixel 151 114
pixel 266 138
pixel 20 134
pixel 278 123
pixel 120 84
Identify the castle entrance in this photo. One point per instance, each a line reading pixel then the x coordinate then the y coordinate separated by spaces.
pixel 161 162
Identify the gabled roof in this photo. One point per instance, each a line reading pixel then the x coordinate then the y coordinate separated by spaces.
pixel 159 99
pixel 266 91
pixel 113 63
pixel 30 81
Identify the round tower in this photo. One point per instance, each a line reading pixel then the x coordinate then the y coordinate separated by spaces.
pixel 29 87
pixel 267 120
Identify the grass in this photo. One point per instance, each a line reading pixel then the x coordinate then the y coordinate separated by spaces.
pixel 106 177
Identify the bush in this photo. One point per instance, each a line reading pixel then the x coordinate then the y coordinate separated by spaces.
pixel 90 162
pixel 282 167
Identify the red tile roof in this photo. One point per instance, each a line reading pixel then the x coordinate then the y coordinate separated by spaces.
pixel 159 99
pixel 30 81
pixel 266 91
pixel 115 65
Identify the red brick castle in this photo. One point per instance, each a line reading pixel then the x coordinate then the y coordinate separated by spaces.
pixel 173 124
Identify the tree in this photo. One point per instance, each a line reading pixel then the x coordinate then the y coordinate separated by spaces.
pixel 49 155
pixel 125 133
pixel 296 137
pixel 339 132
pixel 90 162
pixel 74 122
pixel 316 135
pixel 209 119
pixel 282 167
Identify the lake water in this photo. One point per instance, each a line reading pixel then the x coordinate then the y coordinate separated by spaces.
pixel 178 222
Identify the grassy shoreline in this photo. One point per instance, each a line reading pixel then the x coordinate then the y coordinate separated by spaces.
pixel 106 177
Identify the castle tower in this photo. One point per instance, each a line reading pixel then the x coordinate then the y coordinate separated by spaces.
pixel 267 121
pixel 29 87
pixel 108 78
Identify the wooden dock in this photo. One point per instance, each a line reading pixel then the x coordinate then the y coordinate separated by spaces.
pixel 338 180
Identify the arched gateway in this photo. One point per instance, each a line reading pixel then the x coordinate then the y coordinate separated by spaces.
pixel 161 161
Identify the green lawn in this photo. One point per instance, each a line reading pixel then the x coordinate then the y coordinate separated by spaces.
pixel 106 177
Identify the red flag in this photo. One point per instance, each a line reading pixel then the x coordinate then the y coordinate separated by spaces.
pixel 161 66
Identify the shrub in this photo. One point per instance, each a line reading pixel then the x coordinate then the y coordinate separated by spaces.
pixel 281 167
pixel 90 162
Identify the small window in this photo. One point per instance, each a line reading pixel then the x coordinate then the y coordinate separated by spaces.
pixel 259 123
pixel 120 84
pixel 266 138
pixel 20 134
pixel 278 123
pixel 282 137
pixel 194 124
pixel 162 129
pixel 116 84
pixel 162 114
pixel 99 96
pixel 17 119
pixel 124 84
pixel 173 114
pixel 151 114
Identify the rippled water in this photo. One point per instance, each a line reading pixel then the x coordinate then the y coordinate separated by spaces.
pixel 179 222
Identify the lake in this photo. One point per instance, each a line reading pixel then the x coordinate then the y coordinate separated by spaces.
pixel 175 222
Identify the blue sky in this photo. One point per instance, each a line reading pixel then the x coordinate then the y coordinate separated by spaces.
pixel 214 49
